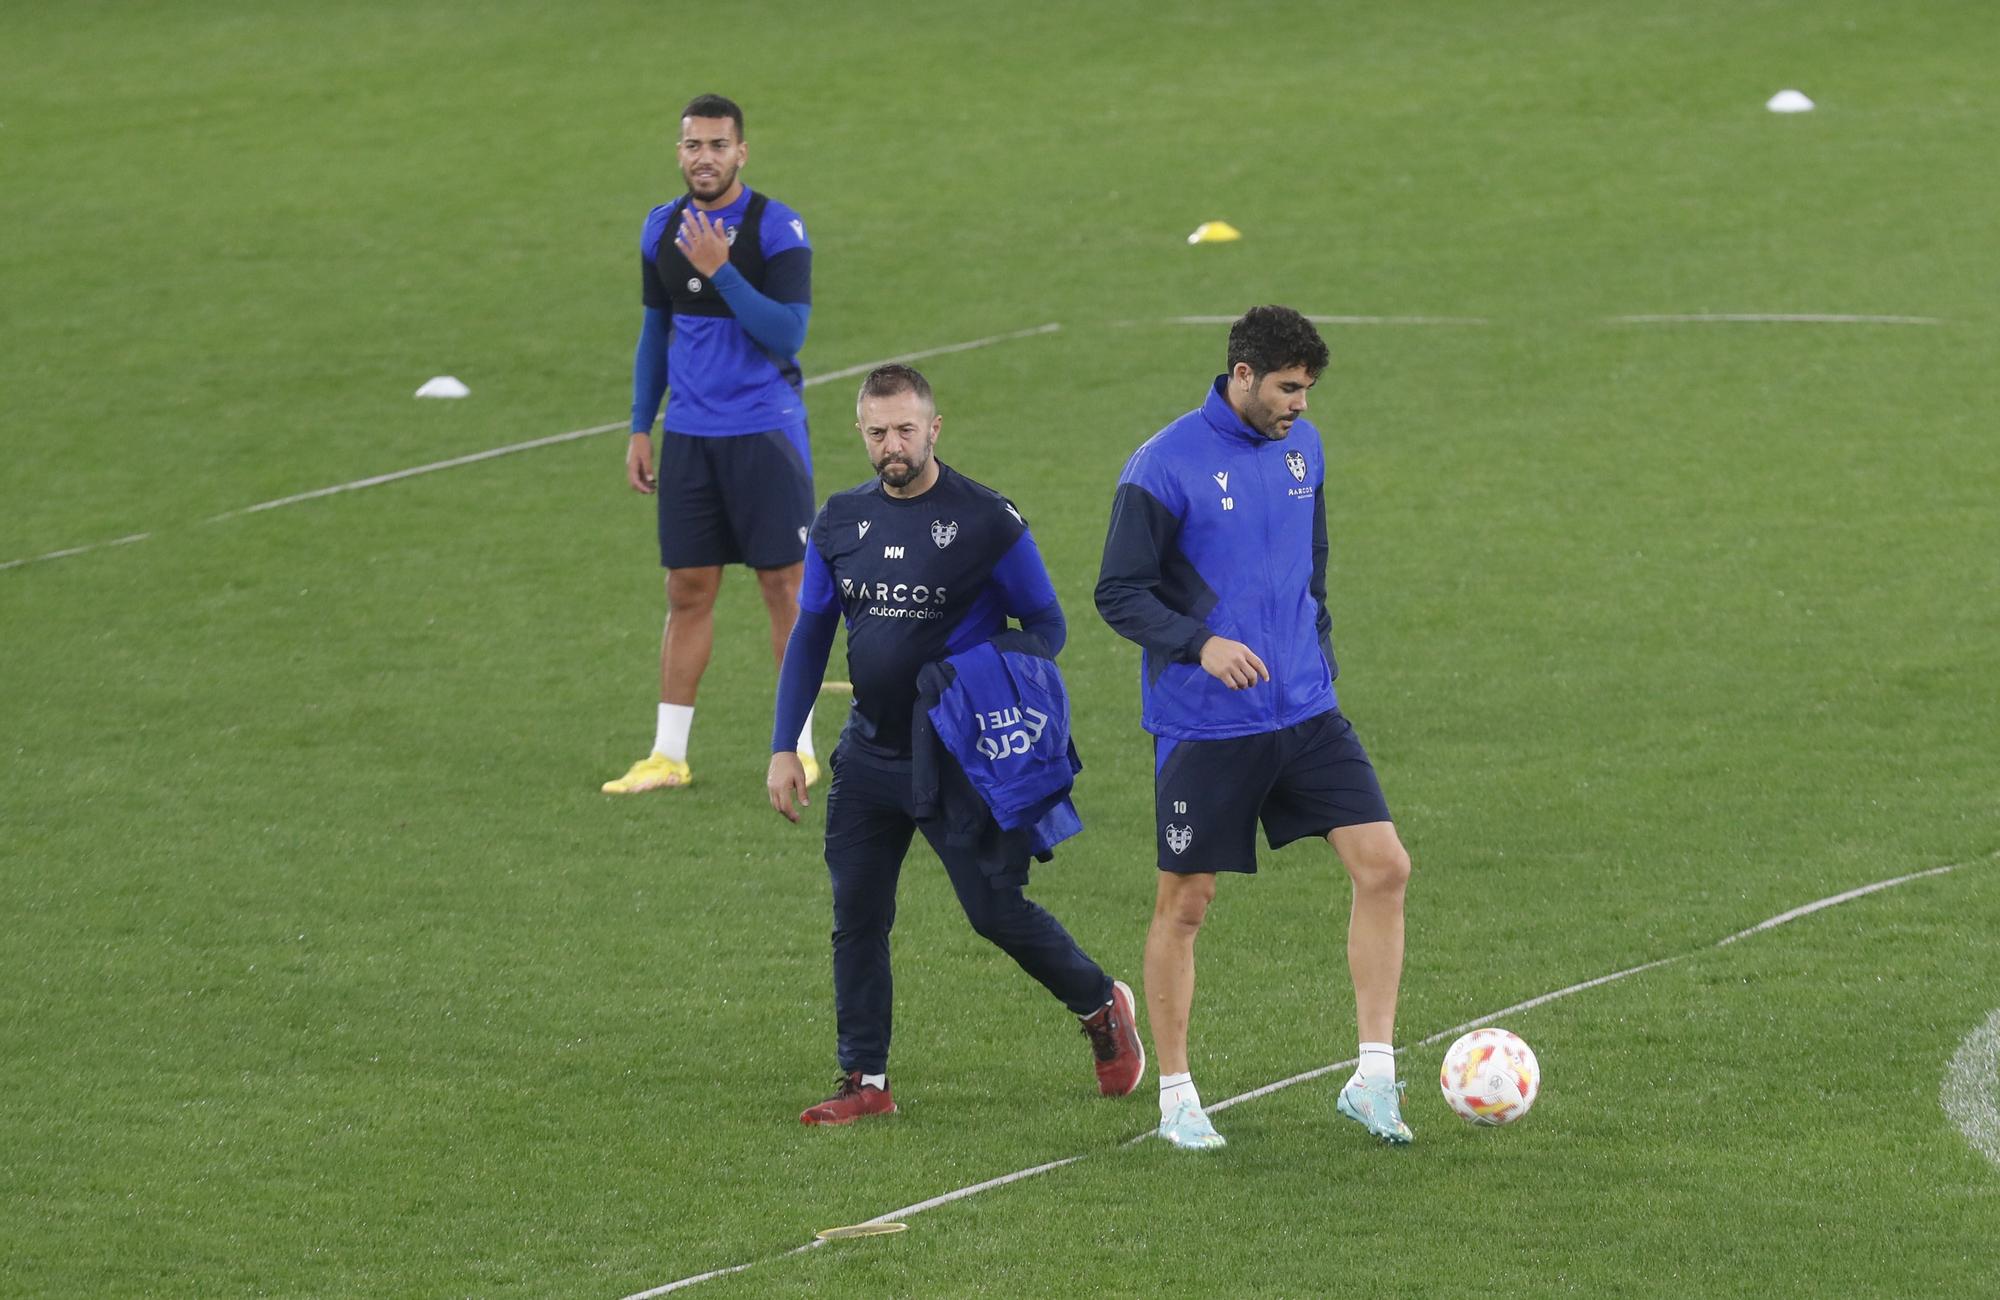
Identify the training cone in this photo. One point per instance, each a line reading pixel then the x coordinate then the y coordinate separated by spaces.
pixel 1789 101
pixel 443 386
pixel 1215 232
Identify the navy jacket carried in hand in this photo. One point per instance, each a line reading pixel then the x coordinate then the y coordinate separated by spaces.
pixel 992 742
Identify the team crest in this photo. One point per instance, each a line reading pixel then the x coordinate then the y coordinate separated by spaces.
pixel 694 284
pixel 1179 837
pixel 942 533
pixel 1295 461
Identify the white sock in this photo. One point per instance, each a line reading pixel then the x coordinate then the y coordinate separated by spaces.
pixel 1378 1062
pixel 670 735
pixel 806 737
pixel 1174 1090
pixel 875 1081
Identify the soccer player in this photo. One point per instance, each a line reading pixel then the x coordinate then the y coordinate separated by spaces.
pixel 726 279
pixel 1215 563
pixel 924 564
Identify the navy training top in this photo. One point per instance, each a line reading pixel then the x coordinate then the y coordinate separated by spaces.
pixel 916 579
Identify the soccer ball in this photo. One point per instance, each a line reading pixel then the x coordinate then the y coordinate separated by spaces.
pixel 1490 1077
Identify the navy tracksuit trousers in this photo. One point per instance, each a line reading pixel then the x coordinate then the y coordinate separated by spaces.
pixel 870 817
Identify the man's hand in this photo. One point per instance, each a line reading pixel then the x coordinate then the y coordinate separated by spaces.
pixel 1232 663
pixel 785 782
pixel 639 463
pixel 704 242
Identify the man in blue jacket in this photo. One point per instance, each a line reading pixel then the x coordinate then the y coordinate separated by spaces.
pixel 923 564
pixel 725 275
pixel 1215 563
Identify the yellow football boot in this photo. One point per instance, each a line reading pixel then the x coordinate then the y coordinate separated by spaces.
pixel 654 772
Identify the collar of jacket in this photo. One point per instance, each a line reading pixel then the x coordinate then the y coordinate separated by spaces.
pixel 1222 417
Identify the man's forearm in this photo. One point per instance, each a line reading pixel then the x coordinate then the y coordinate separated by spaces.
pixel 800 676
pixel 649 371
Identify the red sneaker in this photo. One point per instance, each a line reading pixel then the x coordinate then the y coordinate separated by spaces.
pixel 1113 1031
pixel 851 1100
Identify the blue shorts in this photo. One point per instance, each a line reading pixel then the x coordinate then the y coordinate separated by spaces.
pixel 1305 780
pixel 746 499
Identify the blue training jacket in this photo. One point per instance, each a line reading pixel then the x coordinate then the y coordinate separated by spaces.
pixel 1001 712
pixel 1218 530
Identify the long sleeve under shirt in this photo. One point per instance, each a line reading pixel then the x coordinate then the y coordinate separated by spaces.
pixel 915 579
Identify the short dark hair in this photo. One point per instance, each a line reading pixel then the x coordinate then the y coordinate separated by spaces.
pixel 889 380
pixel 1276 338
pixel 715 106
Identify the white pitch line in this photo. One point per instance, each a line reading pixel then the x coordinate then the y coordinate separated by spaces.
pixel 75 550
pixel 573 434
pixel 1797 912
pixel 888 1217
pixel 1971 1092
pixel 473 458
pixel 1343 320
pixel 1989 1048
pixel 987 342
pixel 1772 318
pixel 378 479
pixel 722 1272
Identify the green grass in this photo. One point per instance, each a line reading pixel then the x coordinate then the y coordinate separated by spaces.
pixel 328 972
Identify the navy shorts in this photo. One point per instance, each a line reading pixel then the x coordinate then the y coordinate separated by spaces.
pixel 1305 780
pixel 740 500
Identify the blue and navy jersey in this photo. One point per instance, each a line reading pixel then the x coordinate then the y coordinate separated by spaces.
pixel 723 383
pixel 1219 531
pixel 917 579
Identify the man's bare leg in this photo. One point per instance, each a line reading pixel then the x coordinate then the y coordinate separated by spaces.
pixel 685 644
pixel 1380 869
pixel 689 637
pixel 780 589
pixel 1179 907
pixel 1178 910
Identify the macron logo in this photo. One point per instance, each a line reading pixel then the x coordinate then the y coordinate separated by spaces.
pixel 892 552
pixel 1222 481
pixel 864 526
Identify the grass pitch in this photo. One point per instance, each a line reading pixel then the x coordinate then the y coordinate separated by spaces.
pixel 328 972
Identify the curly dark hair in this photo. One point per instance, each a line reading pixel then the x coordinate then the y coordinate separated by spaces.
pixel 1276 338
pixel 715 106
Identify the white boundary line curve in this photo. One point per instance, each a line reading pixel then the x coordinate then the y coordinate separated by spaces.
pixel 473 458
pixel 1761 927
pixel 1971 1091
pixel 65 553
pixel 1772 318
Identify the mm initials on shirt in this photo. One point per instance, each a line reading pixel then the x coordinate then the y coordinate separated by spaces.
pixel 892 552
